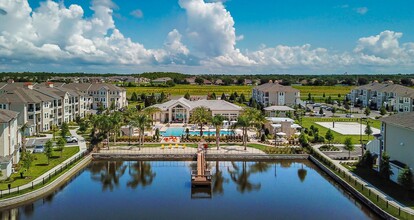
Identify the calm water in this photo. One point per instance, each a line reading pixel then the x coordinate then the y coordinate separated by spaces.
pixel 162 190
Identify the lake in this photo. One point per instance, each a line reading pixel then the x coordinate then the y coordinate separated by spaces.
pixel 282 189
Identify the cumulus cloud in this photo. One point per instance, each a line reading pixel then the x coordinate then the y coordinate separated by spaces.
pixel 384 49
pixel 211 32
pixel 57 35
pixel 137 13
pixel 55 32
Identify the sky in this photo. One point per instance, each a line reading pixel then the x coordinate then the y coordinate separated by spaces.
pixel 208 36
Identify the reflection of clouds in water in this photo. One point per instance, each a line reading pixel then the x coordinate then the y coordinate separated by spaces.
pixel 3 12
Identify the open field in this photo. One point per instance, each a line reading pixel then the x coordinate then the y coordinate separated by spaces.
pixel 316 91
pixel 192 89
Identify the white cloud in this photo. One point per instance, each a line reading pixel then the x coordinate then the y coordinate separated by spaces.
pixel 361 10
pixel 211 32
pixel 137 13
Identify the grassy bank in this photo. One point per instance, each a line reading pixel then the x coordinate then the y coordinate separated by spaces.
pixel 39 167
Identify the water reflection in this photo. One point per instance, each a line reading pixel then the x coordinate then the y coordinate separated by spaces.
pixel 108 173
pixel 302 174
pixel 141 174
pixel 240 176
pixel 235 185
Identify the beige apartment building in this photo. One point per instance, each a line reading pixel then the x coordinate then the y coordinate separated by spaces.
pixel 10 142
pixel 273 93
pixel 396 97
pixel 45 104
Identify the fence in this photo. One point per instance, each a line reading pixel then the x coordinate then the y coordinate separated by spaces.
pixel 38 183
pixel 374 195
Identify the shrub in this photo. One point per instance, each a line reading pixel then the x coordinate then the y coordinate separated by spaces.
pixel 328 148
pixel 367 160
pixel 406 178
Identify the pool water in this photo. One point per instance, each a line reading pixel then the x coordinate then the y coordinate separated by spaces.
pixel 162 190
pixel 178 132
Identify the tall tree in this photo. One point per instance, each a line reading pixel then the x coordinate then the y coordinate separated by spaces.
pixel 141 122
pixel 367 111
pixel 244 122
pixel 385 168
pixel 217 122
pixel 48 150
pixel 200 116
pixel 27 159
pixel 187 96
pixel 349 146
pixel 368 131
pixel 117 122
pixel 329 136
pixel 22 130
pixel 60 144
pixel 150 111
pixel 64 129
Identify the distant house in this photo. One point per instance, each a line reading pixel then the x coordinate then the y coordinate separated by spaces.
pixel 248 82
pixel 207 82
pixel 277 111
pixel 191 80
pixel 219 82
pixel 10 142
pixel 397 139
pixel 162 80
pixel 275 94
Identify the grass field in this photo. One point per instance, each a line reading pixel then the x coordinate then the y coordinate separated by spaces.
pixel 338 138
pixel 39 167
pixel 316 91
pixel 192 89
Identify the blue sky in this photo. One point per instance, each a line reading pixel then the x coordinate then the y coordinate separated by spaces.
pixel 196 36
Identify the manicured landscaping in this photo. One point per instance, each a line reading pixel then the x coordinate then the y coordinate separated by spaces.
pixel 338 138
pixel 328 148
pixel 39 167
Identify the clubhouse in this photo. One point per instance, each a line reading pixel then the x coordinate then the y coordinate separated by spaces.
pixel 179 111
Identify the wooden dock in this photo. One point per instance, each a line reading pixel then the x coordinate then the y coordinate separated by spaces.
pixel 201 176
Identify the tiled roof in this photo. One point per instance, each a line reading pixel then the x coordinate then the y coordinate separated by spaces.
pixel 7 115
pixel 214 105
pixel 275 87
pixel 404 119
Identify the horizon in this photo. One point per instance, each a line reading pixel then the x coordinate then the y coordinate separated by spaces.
pixel 207 37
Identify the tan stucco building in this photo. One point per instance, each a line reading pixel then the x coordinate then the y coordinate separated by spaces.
pixel 275 94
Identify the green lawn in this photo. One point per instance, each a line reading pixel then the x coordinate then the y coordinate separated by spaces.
pixel 318 91
pixel 192 89
pixel 338 138
pixel 40 166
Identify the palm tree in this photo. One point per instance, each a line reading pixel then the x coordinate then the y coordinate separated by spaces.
pixel 108 173
pixel 141 174
pixel 127 116
pixel 23 129
pixel 217 122
pixel 105 126
pixel 142 122
pixel 200 116
pixel 243 122
pixel 117 121
pixel 150 111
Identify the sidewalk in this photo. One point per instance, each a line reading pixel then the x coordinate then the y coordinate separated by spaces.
pixel 82 148
pixel 360 180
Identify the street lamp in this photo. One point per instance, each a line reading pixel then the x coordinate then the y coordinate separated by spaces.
pixel 360 135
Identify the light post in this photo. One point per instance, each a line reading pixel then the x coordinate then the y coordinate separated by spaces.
pixel 360 136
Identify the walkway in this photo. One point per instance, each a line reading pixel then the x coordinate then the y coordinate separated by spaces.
pixel 82 148
pixel 180 150
pixel 362 181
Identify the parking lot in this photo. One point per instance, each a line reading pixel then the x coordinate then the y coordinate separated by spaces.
pixel 31 142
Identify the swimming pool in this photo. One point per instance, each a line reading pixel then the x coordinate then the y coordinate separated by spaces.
pixel 177 132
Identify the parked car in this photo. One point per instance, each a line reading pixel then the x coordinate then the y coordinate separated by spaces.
pixel 349 115
pixel 39 149
pixel 71 139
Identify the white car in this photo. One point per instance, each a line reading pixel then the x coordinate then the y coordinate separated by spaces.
pixel 39 149
pixel 71 139
pixel 349 115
